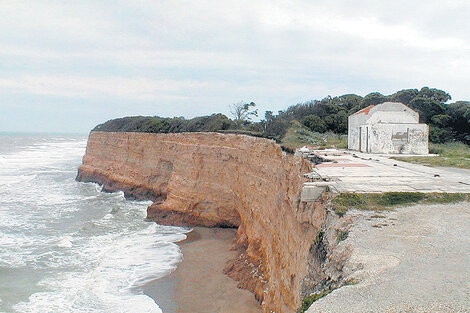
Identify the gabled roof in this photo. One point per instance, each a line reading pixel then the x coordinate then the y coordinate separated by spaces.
pixel 365 110
pixel 379 113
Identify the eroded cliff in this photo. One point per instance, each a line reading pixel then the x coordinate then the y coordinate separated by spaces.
pixel 210 179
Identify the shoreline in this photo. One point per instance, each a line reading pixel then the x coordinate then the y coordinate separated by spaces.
pixel 198 285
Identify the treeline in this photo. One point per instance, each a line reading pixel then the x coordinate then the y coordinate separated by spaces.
pixel 448 122
pixel 155 124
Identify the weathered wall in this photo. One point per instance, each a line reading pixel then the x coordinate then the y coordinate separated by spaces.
pixel 381 116
pixel 399 138
pixel 392 112
pixel 211 179
pixel 353 136
pixel 354 122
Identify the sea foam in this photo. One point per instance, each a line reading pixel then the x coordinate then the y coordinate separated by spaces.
pixel 68 247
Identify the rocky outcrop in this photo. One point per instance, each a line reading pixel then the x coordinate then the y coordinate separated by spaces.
pixel 225 180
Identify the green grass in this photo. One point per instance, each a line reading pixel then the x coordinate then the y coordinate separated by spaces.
pixel 453 154
pixel 375 201
pixel 298 136
pixel 308 300
pixel 341 235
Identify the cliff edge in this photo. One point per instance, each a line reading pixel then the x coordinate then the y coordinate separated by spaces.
pixel 285 245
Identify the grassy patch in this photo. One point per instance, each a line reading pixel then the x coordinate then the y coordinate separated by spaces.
pixel 341 235
pixel 452 154
pixel 349 199
pixel 446 197
pixel 399 198
pixel 298 136
pixel 308 300
pixel 340 210
pixel 375 201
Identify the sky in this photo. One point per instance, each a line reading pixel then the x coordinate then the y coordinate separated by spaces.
pixel 66 66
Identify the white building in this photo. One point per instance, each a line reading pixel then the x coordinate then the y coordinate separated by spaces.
pixel 390 127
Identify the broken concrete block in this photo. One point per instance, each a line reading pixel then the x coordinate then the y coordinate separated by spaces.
pixel 312 193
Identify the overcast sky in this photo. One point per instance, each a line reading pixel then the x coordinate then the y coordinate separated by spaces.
pixel 68 65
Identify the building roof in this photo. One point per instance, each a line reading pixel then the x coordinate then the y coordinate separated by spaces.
pixel 387 112
pixel 365 110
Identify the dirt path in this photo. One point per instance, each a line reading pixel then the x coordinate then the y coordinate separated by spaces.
pixel 415 259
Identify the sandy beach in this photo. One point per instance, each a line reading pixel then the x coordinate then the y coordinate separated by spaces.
pixel 198 285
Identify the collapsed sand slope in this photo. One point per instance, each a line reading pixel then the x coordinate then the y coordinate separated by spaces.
pixel 416 259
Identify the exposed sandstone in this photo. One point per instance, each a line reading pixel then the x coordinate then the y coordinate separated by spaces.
pixel 210 179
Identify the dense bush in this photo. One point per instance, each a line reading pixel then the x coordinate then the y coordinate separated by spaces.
pixel 315 123
pixel 155 124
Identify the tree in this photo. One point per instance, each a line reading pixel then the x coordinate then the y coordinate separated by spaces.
pixel 460 113
pixel 314 123
pixel 439 135
pixel 434 94
pixel 427 108
pixel 268 116
pixel 373 98
pixel 441 120
pixel 348 101
pixel 404 96
pixel 242 111
pixel 275 125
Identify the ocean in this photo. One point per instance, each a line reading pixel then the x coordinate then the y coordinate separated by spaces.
pixel 65 246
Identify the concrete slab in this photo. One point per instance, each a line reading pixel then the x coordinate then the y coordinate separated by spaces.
pixel 371 173
pixel 342 165
pixel 311 193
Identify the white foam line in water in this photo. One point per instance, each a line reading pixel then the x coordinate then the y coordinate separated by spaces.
pixel 42 155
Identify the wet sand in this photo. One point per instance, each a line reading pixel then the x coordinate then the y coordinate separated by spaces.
pixel 198 285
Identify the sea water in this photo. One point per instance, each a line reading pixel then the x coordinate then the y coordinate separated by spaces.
pixel 65 246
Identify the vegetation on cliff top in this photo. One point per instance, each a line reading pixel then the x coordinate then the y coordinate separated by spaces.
pixel 315 122
pixel 155 124
pixel 382 201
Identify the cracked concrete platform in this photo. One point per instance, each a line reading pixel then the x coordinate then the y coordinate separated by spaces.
pixel 371 173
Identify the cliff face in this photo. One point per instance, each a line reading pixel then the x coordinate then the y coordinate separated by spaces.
pixel 209 179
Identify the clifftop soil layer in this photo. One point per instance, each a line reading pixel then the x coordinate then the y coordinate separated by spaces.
pixel 224 180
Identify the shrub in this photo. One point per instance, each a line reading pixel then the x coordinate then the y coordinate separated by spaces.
pixel 318 248
pixel 395 198
pixel 349 200
pixel 341 235
pixel 314 123
pixel 446 197
pixel 308 300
